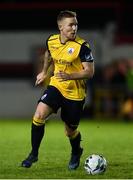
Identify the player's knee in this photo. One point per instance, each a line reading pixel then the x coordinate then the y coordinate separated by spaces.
pixel 70 130
pixel 71 133
pixel 38 120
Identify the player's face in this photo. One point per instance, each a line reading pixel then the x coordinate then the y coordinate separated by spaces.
pixel 68 28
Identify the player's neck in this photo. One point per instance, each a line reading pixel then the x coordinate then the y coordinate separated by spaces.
pixel 63 39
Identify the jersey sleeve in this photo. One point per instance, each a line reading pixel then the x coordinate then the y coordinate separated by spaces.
pixel 85 53
pixel 47 42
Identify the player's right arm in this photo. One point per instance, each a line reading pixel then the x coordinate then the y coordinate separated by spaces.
pixel 47 60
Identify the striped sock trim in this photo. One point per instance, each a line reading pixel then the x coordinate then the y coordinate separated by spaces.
pixel 38 122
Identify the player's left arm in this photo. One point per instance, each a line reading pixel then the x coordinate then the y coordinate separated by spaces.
pixel 87 63
pixel 86 73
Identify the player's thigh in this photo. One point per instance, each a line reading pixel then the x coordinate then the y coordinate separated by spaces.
pixel 48 103
pixel 71 113
pixel 42 111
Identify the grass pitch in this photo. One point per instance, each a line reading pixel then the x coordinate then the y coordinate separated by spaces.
pixel 112 139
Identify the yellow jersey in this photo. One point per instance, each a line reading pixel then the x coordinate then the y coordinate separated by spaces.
pixel 66 58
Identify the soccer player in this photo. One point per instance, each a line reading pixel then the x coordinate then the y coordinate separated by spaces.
pixel 73 64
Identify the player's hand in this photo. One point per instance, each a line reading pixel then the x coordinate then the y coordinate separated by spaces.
pixel 62 76
pixel 40 78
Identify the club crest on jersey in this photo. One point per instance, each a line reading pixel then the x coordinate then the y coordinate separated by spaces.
pixel 70 50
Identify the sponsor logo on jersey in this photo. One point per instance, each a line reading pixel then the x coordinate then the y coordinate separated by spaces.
pixel 54 47
pixel 63 61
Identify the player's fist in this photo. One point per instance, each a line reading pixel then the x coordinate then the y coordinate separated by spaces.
pixel 40 78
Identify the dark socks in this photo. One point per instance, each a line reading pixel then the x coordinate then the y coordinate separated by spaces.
pixel 75 143
pixel 37 133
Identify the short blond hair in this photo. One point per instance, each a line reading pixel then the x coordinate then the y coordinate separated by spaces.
pixel 65 14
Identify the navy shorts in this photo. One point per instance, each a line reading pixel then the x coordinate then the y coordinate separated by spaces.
pixel 71 110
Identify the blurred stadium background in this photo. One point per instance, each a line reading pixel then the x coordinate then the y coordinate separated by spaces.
pixel 107 25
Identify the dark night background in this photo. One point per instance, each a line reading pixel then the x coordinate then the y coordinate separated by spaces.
pixel 25 23
pixel 39 15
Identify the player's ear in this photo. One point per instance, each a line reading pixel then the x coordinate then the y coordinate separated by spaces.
pixel 60 26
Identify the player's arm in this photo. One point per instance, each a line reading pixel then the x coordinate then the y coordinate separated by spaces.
pixel 47 60
pixel 87 63
pixel 86 73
